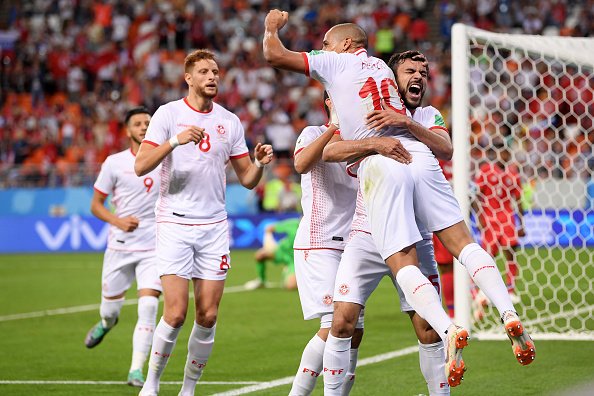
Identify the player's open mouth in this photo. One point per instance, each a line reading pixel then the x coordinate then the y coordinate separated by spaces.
pixel 415 90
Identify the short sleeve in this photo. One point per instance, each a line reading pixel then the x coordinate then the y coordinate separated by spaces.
pixel 307 136
pixel 434 119
pixel 158 130
pixel 239 147
pixel 322 65
pixel 106 180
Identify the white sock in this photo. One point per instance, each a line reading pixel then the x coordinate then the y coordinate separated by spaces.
pixel 109 311
pixel 163 342
pixel 143 332
pixel 432 361
pixel 349 379
pixel 423 298
pixel 483 271
pixel 336 364
pixel 199 348
pixel 310 367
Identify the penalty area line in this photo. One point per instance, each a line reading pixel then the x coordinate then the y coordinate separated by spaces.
pixel 288 380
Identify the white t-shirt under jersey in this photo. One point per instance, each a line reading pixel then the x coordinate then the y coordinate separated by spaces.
pixel 357 83
pixel 131 196
pixel 328 200
pixel 193 175
pixel 430 118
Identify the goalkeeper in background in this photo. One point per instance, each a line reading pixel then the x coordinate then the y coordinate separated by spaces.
pixel 281 253
pixel 498 201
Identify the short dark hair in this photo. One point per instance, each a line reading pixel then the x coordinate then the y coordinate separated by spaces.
pixel 400 57
pixel 134 111
pixel 326 96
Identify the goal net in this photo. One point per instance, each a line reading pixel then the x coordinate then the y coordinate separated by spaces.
pixel 527 103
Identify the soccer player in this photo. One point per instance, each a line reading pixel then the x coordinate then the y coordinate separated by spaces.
pixel 193 138
pixel 328 203
pixel 499 199
pixel 130 250
pixel 362 267
pixel 281 253
pixel 358 84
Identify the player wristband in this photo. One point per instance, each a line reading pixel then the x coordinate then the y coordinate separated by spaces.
pixel 174 142
pixel 258 163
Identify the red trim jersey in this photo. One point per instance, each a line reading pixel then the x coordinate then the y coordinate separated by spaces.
pixel 497 190
pixel 429 117
pixel 358 84
pixel 193 175
pixel 328 200
pixel 131 196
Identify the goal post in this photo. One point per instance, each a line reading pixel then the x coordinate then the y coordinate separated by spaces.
pixel 532 97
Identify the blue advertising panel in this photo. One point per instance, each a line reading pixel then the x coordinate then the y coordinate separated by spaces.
pixel 86 233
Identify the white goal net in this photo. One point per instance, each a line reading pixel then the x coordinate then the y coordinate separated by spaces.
pixel 523 116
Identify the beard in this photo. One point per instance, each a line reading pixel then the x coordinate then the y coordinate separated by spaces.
pixel 206 92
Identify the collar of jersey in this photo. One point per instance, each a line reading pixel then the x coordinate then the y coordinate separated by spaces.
pixel 360 51
pixel 195 109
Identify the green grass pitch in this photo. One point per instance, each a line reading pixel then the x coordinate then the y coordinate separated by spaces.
pixel 260 337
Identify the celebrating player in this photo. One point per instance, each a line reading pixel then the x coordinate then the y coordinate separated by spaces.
pixel 130 250
pixel 192 233
pixel 362 267
pixel 358 84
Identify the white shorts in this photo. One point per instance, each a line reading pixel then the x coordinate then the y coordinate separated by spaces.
pixel 315 271
pixel 362 268
pixel 396 196
pixel 120 268
pixel 193 251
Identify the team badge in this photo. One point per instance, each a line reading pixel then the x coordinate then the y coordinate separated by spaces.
pixel 221 129
pixel 344 289
pixel 327 299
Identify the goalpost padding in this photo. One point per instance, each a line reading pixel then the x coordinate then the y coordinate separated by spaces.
pixel 536 93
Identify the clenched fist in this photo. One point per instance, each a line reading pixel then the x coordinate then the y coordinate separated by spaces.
pixel 275 20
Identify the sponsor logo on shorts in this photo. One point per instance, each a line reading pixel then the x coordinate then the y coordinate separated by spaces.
pixel 337 238
pixel 327 299
pixel 344 290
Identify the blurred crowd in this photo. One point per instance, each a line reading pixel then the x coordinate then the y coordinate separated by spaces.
pixel 71 68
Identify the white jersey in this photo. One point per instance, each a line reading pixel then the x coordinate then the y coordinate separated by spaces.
pixel 430 118
pixel 193 175
pixel 357 83
pixel 131 196
pixel 328 200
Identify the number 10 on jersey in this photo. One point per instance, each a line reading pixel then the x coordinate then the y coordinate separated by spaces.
pixel 388 91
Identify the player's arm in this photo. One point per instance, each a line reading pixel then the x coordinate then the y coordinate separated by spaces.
pixel 437 139
pixel 150 155
pixel 275 52
pixel 127 224
pixel 248 172
pixel 306 157
pixel 352 150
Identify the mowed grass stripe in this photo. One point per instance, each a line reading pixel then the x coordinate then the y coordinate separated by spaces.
pixel 65 382
pixel 87 308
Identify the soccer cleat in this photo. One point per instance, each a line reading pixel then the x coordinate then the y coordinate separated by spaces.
pixel 135 378
pixel 148 393
pixel 96 334
pixel 522 344
pixel 457 339
pixel 254 284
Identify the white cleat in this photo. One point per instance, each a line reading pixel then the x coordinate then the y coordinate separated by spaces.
pixel 522 344
pixel 457 339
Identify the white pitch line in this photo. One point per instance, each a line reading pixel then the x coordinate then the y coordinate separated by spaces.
pixel 58 382
pixel 288 380
pixel 90 307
